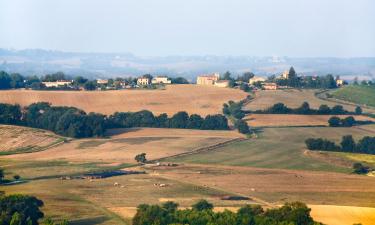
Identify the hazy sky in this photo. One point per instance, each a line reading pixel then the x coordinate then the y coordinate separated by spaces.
pixel 344 28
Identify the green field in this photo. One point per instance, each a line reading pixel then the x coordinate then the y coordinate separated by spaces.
pixel 278 148
pixel 359 94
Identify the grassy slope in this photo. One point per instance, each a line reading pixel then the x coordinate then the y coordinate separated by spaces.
pixel 359 94
pixel 277 148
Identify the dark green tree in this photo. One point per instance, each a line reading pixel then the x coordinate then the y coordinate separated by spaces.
pixel 334 121
pixel 348 144
pixel 358 110
pixel 202 205
pixel 141 158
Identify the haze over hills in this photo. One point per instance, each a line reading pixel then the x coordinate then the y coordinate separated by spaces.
pixel 95 65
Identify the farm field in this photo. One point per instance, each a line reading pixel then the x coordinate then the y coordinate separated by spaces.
pixel 197 99
pixel 359 94
pixel 275 120
pixel 282 148
pixel 293 98
pixel 20 139
pixel 125 144
pixel 275 186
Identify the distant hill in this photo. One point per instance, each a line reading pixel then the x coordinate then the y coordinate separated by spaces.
pixel 100 65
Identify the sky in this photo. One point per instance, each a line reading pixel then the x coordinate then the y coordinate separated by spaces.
pixel 295 28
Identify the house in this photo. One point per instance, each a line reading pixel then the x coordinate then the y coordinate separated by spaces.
pixel 256 79
pixel 269 86
pixel 208 79
pixel 58 83
pixel 339 82
pixel 222 83
pixel 102 81
pixel 161 80
pixel 142 81
pixel 285 75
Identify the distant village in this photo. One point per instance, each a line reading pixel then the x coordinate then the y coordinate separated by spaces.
pixel 246 81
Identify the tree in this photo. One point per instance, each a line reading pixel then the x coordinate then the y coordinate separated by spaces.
pixel 348 121
pixel 246 77
pixel 359 168
pixel 358 110
pixel 179 80
pixel 16 177
pixel 79 80
pixel 242 127
pixel 141 158
pixel 90 85
pixel 202 205
pixel 324 110
pixel 195 121
pixel 304 108
pixel 348 143
pixel 27 207
pixel 334 121
pixel 1 175
pixel 170 206
pixel 179 120
pixel 4 80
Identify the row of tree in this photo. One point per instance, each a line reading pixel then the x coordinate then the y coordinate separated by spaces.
pixel 234 110
pixel 180 120
pixel 365 145
pixel 346 122
pixel 73 122
pixel 305 109
pixel 202 213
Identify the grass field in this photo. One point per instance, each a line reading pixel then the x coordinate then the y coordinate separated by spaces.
pixel 275 120
pixel 22 139
pixel 124 144
pixel 278 148
pixel 359 94
pixel 197 99
pixel 293 98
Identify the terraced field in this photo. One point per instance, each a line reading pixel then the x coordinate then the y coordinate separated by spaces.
pixel 23 139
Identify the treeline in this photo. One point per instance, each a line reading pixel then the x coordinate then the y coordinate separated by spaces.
pixel 66 121
pixel 365 145
pixel 180 120
pixel 305 109
pixel 73 122
pixel 346 122
pixel 202 213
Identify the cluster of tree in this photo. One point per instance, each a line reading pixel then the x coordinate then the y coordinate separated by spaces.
pixel 202 213
pixel 359 168
pixel 293 80
pixel 304 109
pixel 66 121
pixel 337 122
pixel 3 180
pixel 234 110
pixel 180 120
pixel 365 145
pixel 20 210
pixel 73 122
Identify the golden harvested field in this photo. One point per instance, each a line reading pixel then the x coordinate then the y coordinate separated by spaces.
pixel 125 144
pixel 16 138
pixel 197 99
pixel 292 98
pixel 269 120
pixel 343 215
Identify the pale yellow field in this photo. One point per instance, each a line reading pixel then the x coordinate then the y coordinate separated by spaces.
pixel 125 144
pixel 292 98
pixel 14 138
pixel 197 99
pixel 267 120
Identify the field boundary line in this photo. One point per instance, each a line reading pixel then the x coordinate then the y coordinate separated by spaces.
pixel 201 149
